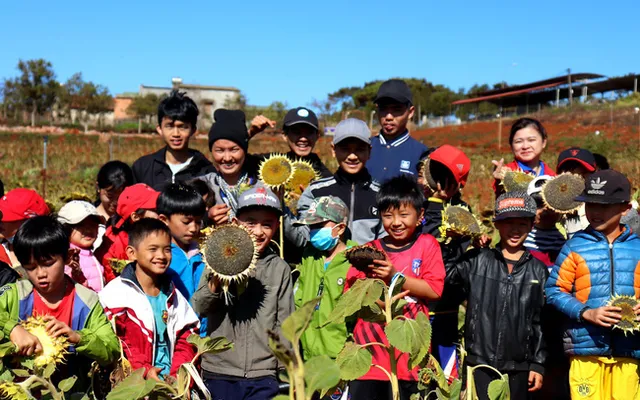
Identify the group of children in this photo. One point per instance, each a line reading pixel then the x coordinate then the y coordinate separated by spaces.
pixel 68 267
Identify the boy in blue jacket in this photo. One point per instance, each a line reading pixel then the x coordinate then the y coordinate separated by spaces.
pixel 597 264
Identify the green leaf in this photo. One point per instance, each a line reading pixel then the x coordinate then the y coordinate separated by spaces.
pixel 282 352
pixel 49 370
pixel 6 376
pixel 365 292
pixel 398 306
pixel 79 396
pixel 415 396
pixel 66 384
pixel 499 389
pixel 353 361
pixel 208 345
pixel 283 377
pixel 404 334
pixel 183 379
pixel 134 387
pixel 281 397
pixel 419 354
pixel 21 373
pixel 295 324
pixel 455 388
pixel 7 349
pixel 27 363
pixel 372 313
pixel 320 372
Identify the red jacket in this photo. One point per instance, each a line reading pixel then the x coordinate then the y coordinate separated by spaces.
pixel 513 166
pixel 124 301
pixel 114 246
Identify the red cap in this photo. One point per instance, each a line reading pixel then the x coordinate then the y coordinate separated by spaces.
pixel 19 204
pixel 455 160
pixel 134 198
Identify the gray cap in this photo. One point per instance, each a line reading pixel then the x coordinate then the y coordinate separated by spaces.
pixel 352 128
pixel 259 196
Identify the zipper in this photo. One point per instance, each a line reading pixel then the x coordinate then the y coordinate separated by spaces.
pixel 611 269
pixel 353 199
pixel 153 317
pixel 521 261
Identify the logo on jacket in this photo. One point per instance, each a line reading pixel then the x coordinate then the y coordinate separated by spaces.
pixel 415 266
pixel 337 395
pixel 165 316
pixel 404 164
pixel 598 184
pixel 374 210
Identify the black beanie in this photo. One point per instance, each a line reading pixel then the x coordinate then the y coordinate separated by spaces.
pixel 230 125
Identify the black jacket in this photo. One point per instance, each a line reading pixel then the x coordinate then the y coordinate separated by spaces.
pixel 7 274
pixel 502 327
pixel 153 170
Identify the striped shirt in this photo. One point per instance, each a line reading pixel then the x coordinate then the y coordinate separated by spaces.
pixel 548 241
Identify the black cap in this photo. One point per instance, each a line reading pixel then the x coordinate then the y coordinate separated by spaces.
pixel 582 156
pixel 515 205
pixel 230 125
pixel 606 187
pixel 396 90
pixel 301 115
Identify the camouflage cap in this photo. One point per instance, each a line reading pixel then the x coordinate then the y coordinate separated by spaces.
pixel 323 209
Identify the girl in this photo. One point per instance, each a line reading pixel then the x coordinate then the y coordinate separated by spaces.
pixel 113 177
pixel 527 139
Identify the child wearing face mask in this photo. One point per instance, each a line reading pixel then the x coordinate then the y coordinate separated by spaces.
pixel 323 272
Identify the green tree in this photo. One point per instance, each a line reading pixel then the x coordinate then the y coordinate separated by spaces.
pixel 36 87
pixel 143 107
pixel 10 98
pixel 86 97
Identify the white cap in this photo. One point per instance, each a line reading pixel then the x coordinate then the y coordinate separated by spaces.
pixel 535 186
pixel 77 211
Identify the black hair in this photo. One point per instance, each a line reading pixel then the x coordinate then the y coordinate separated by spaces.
pixel 203 189
pixel 180 198
pixel 527 123
pixel 41 238
pixel 114 174
pixel 143 228
pixel 402 189
pixel 601 162
pixel 441 173
pixel 1 189
pixel 178 107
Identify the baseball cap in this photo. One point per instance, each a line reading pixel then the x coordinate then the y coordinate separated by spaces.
pixel 394 89
pixel 515 205
pixel 352 128
pixel 133 198
pixel 535 186
pixel 455 160
pixel 19 204
pixel 259 196
pixel 323 209
pixel 77 211
pixel 606 187
pixel 582 156
pixel 301 115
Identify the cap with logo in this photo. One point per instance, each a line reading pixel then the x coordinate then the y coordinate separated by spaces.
pixel 20 204
pixel 134 198
pixel 395 90
pixel 323 209
pixel 606 187
pixel 301 115
pixel 515 205
pixel 582 156
pixel 259 196
pixel 455 160
pixel 77 211
pixel 352 128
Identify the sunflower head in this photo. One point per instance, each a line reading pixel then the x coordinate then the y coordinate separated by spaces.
pixel 303 175
pixel 53 349
pixel 559 193
pixel 12 391
pixel 276 171
pixel 516 181
pixel 429 180
pixel 459 221
pixel 362 256
pixel 627 323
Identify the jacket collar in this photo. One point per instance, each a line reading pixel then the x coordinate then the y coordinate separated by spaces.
pixel 198 160
pixel 363 177
pixel 129 275
pixel 396 141
pixel 595 235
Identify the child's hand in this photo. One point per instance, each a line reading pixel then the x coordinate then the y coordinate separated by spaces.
pixel 482 241
pixel 153 374
pixel 74 263
pixel 260 123
pixel 219 214
pixel 636 310
pixel 383 269
pixel 535 381
pixel 214 284
pixel 500 170
pixel 57 328
pixel 447 192
pixel 603 316
pixel 26 343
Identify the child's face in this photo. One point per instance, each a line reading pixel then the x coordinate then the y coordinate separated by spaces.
pixel 352 154
pixel 153 254
pixel 301 139
pixel 85 233
pixel 175 134
pixel 514 231
pixel 184 228
pixel 46 275
pixel 228 157
pixel 135 217
pixel 262 223
pixel 393 117
pixel 575 167
pixel 9 229
pixel 109 198
pixel 605 217
pixel 400 223
pixel 528 144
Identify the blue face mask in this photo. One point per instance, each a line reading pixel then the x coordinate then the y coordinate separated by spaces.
pixel 322 239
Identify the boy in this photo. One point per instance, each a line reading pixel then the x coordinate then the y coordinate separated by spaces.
pixel 545 240
pixel 152 319
pixel 249 371
pixel 504 289
pixel 351 183
pixel 42 247
pixel 411 254
pixel 394 151
pixel 176 162
pixel 300 126
pixel 181 208
pixel 595 265
pixel 322 273
pixel 17 206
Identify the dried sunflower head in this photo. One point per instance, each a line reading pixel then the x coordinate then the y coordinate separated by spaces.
pixel 362 256
pixel 516 181
pixel 628 321
pixel 13 391
pixel 303 175
pixel 559 193
pixel 230 253
pixel 429 180
pixel 53 349
pixel 276 171
pixel 460 221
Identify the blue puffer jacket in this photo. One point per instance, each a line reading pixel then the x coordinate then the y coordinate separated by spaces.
pixel 587 273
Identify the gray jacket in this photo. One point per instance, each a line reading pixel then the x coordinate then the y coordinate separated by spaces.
pixel 264 304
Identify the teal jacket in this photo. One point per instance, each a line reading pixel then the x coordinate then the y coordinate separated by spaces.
pixel 314 280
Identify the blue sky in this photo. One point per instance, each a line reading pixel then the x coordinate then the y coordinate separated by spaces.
pixel 296 51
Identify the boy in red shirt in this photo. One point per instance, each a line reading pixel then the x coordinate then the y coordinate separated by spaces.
pixel 412 254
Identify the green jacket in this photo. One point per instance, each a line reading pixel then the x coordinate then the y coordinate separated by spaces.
pixel 313 279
